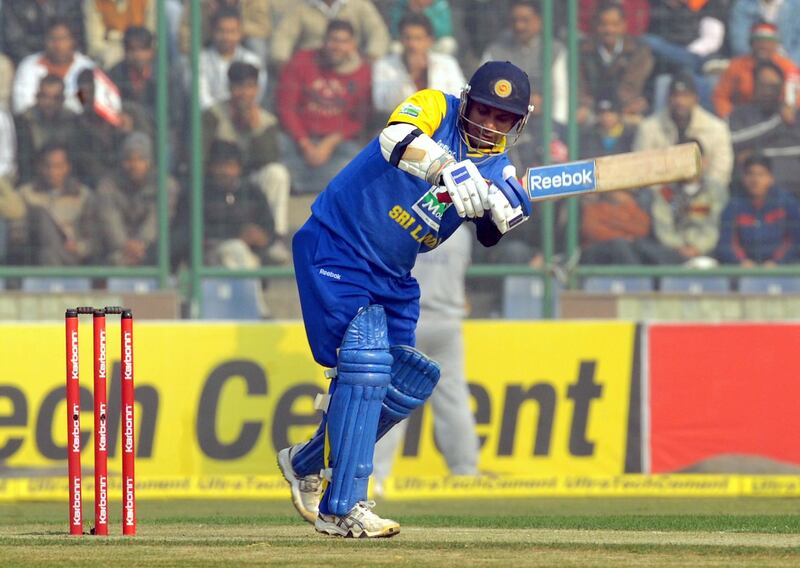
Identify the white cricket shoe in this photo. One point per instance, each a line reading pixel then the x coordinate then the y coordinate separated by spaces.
pixel 306 491
pixel 360 522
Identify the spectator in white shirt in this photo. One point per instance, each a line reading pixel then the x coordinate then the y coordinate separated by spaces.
pixel 226 30
pixel 396 77
pixel 59 58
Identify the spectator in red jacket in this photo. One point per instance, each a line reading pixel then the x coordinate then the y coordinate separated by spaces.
pixel 324 104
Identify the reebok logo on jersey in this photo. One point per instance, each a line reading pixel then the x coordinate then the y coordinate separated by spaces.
pixel 410 110
pixel 330 274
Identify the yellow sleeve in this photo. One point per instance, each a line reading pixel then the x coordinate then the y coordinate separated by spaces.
pixel 424 109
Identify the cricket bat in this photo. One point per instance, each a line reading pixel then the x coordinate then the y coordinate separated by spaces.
pixel 611 173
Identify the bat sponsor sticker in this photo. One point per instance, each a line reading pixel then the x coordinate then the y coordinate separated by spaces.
pixel 562 179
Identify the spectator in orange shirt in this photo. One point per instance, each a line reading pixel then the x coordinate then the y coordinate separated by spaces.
pixel 735 86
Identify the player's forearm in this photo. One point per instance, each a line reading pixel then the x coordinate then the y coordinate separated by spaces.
pixel 407 148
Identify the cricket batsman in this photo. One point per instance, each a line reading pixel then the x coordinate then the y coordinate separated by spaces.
pixel 440 160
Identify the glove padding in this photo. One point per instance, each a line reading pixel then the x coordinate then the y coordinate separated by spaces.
pixel 468 190
pixel 509 204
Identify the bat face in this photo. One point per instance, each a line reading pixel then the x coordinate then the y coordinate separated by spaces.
pixel 610 173
pixel 561 180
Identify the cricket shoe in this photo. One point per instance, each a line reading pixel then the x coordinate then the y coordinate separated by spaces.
pixel 360 522
pixel 306 491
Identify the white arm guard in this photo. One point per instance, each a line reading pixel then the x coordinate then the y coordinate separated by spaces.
pixel 406 147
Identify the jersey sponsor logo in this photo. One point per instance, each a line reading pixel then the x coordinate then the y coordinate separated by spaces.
pixel 330 274
pixel 563 179
pixel 430 209
pixel 410 110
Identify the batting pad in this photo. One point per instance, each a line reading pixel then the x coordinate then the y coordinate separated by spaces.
pixel 364 371
pixel 414 376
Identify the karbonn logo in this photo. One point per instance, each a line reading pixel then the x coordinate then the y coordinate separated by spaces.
pixel 103 500
pixel 128 435
pixel 73 357
pixel 101 356
pixel 129 520
pixel 76 429
pixel 102 431
pixel 76 501
pixel 127 358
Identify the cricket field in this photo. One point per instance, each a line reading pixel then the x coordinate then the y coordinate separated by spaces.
pixel 522 532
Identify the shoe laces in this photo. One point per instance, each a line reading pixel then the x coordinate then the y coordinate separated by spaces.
pixel 365 507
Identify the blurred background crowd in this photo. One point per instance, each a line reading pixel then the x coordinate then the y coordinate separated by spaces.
pixel 291 90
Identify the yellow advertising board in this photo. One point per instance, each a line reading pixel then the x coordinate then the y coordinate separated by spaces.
pixel 215 401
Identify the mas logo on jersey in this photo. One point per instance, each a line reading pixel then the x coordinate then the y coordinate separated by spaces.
pixel 430 209
pixel 411 110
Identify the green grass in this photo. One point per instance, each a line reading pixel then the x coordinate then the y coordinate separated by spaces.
pixel 526 532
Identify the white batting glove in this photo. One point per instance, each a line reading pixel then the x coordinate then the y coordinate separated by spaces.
pixel 509 205
pixel 467 189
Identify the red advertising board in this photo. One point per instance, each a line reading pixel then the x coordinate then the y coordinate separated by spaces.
pixel 719 391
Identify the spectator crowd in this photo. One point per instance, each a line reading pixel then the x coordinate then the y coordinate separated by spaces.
pixel 290 91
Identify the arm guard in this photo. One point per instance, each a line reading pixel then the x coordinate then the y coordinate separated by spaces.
pixel 408 148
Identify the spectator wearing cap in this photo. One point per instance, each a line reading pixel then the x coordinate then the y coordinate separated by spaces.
pixel 241 121
pixel 784 14
pixel 769 125
pixel 324 105
pixel 614 62
pixel 438 13
pixel 521 44
pixel 46 121
pixel 127 204
pixel 24 25
pixel 106 22
pixel 225 48
pixel 761 227
pixel 61 215
pixel 684 119
pixel 735 85
pixel 59 58
pixel 397 76
pixel 609 134
pixel 305 26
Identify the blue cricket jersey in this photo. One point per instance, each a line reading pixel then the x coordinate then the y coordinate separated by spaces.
pixel 387 215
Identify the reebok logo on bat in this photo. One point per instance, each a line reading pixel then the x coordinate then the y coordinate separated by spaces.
pixel 562 179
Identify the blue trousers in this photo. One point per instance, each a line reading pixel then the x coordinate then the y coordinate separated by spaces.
pixel 334 282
